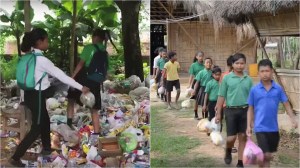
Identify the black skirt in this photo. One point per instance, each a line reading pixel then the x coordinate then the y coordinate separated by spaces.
pixel 201 95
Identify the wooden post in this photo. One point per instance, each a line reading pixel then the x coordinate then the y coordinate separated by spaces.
pixel 265 52
pixel 187 33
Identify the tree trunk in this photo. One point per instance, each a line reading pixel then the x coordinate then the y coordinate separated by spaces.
pixel 73 37
pixel 76 52
pixel 130 38
pixel 280 52
pixel 27 16
pixel 18 41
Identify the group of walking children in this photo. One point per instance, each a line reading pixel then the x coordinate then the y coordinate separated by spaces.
pixel 32 76
pixel 245 106
pixel 166 75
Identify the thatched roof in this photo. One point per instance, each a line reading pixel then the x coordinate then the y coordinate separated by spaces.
pixel 221 12
pixel 237 12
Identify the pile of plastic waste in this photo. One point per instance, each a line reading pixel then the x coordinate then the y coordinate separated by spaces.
pixel 123 116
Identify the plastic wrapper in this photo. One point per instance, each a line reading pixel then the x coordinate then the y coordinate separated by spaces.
pixel 88 99
pixel 67 133
pixel 59 162
pixel 119 114
pixel 137 132
pixel 52 104
pixel 252 153
pixel 58 118
pixel 128 142
pixel 91 155
pixel 55 140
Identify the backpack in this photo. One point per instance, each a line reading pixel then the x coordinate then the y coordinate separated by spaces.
pixel 97 69
pixel 25 71
pixel 25 76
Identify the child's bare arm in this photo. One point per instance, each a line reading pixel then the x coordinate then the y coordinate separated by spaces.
pixel 250 120
pixel 191 81
pixel 78 68
pixel 219 106
pixel 291 114
pixel 205 102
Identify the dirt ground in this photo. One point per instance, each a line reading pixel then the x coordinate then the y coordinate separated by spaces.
pixel 184 124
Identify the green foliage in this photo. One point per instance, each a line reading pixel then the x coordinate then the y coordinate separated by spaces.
pixel 146 69
pixel 90 14
pixel 8 68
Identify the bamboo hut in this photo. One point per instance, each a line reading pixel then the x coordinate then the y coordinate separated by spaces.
pixel 197 29
pixel 261 18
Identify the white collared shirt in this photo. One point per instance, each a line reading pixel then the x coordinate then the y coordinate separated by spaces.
pixel 43 64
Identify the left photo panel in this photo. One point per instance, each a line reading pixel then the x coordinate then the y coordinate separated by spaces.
pixel 75 78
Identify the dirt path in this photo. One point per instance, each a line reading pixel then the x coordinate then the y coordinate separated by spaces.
pixel 184 124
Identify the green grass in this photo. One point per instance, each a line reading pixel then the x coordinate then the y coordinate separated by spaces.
pixel 171 150
pixel 183 162
pixel 288 161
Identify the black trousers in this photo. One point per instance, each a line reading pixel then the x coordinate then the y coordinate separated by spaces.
pixel 31 100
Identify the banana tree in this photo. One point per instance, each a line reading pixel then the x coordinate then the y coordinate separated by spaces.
pixel 15 19
pixel 83 18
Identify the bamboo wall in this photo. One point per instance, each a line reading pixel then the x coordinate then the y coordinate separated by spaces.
pixel 203 34
pixel 285 22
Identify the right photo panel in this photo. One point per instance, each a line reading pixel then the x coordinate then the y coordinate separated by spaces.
pixel 225 83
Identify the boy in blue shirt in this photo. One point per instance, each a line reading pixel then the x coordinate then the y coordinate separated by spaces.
pixel 263 103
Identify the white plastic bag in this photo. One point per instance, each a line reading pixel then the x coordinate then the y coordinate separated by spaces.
pixel 161 90
pixel 214 126
pixel 91 154
pixel 202 125
pixel 189 92
pixel 52 104
pixel 88 99
pixel 187 103
pixel 216 138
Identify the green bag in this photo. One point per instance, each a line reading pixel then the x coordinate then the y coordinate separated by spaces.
pixel 25 71
pixel 128 142
pixel 25 75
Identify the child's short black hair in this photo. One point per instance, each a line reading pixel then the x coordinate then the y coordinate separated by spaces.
pixel 100 33
pixel 216 69
pixel 163 50
pixel 265 62
pixel 229 61
pixel 171 54
pixel 238 56
pixel 207 59
pixel 156 51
